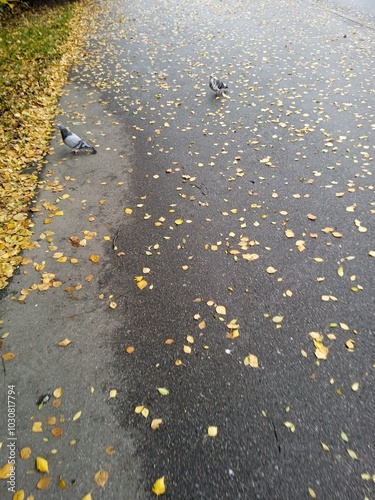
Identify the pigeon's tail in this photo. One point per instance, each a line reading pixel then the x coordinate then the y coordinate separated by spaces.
pixel 86 147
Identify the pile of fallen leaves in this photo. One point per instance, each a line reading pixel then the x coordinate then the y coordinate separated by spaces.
pixel 37 47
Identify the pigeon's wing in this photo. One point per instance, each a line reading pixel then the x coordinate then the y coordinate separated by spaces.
pixel 214 84
pixel 72 140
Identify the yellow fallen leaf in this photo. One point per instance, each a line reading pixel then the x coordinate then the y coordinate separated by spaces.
pixel 312 493
pixel 77 416
pixel 250 257
pixel 289 233
pixel 112 393
pixel 212 431
pixel 251 360
pixel 19 495
pixel 178 222
pixel 62 483
pixel 101 477
pixel 43 483
pixel 113 304
pixel 94 258
pixel 321 351
pixel 57 393
pixel 130 349
pixel 352 454
pixel 5 471
pixel 325 447
pixel 187 349
pixel 158 487
pixel 290 426
pixel 221 310
pixel 271 270
pixel 41 464
pixel 110 450
pixel 37 427
pixel 163 391
pixel 156 423
pixel 64 343
pixel 145 412
pixel 277 319
pixel 87 497
pixel 355 386
pixel 128 211
pixel 8 356
pixel 141 284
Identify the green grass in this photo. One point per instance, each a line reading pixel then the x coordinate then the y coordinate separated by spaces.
pixel 29 43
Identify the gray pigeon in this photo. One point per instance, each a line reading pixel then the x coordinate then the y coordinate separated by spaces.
pixel 217 85
pixel 74 142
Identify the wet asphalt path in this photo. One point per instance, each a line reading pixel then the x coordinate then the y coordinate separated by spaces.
pixel 254 210
pixel 256 202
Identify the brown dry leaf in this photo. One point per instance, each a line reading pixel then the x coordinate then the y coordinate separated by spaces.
pixel 101 477
pixel 74 240
pixel 43 483
pixel 25 453
pixel 57 432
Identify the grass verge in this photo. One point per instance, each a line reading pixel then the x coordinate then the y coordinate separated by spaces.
pixel 37 47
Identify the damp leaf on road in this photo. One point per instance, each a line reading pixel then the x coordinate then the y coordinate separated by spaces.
pixel 159 487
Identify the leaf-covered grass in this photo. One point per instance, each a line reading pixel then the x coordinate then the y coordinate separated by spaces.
pixel 34 59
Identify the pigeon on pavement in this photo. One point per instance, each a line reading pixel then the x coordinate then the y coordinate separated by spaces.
pixel 74 142
pixel 217 85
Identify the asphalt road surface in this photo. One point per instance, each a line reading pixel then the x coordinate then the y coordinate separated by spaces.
pixel 232 292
